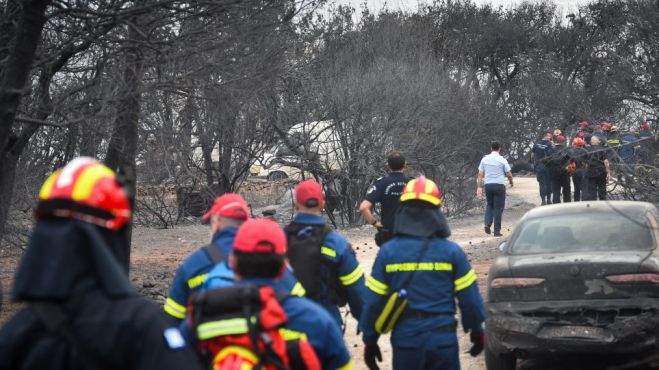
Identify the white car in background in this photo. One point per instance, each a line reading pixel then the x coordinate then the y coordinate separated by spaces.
pixel 310 144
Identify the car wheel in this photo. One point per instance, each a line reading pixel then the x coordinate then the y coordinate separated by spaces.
pixel 277 175
pixel 504 361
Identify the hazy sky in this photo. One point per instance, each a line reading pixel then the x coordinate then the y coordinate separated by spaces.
pixel 412 5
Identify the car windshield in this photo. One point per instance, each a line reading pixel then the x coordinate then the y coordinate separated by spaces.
pixel 584 232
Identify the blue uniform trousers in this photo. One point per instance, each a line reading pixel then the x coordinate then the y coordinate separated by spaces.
pixel 544 180
pixel 427 350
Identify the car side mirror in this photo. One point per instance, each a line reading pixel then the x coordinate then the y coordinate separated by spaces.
pixel 502 247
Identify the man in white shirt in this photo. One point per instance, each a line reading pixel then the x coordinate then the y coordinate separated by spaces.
pixel 492 173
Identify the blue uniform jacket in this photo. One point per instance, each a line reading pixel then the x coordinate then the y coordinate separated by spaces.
pixel 221 275
pixel 192 273
pixel 308 319
pixel 337 249
pixel 443 274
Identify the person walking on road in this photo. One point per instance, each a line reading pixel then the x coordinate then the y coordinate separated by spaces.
pixel 413 287
pixel 322 259
pixel 259 259
pixel 228 212
pixel 386 191
pixel 80 310
pixel 540 153
pixel 492 173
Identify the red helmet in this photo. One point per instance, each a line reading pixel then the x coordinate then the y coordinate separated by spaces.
pixel 422 189
pixel 230 205
pixel 583 124
pixel 645 126
pixel 578 142
pixel 86 190
pixel 571 167
pixel 581 134
pixel 606 125
pixel 260 235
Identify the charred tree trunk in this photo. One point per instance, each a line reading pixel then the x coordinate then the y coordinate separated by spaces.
pixel 122 148
pixel 15 73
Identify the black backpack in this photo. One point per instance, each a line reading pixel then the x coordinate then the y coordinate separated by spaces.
pixel 596 167
pixel 318 276
pixel 557 161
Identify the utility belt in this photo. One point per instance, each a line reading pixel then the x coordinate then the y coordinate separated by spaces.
pixel 412 314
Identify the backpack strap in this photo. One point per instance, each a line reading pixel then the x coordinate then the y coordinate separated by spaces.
pixel 214 253
pixel 57 322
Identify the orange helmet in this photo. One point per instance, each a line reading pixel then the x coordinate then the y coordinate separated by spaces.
pixel 422 189
pixel 86 190
pixel 578 142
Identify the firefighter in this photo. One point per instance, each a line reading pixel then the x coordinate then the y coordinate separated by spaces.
pixel 541 152
pixel 560 172
pixel 598 172
pixel 228 212
pixel 386 191
pixel 629 147
pixel 259 258
pixel 578 154
pixel 598 131
pixel 80 310
pixel 583 127
pixel 323 260
pixel 421 272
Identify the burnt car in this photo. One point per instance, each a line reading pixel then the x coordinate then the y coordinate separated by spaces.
pixel 575 278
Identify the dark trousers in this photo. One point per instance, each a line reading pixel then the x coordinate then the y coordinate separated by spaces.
pixel 595 188
pixel 496 200
pixel 560 183
pixel 544 180
pixel 428 351
pixel 577 181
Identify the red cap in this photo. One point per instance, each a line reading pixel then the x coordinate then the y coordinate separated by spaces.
pixel 309 193
pixel 561 138
pixel 645 125
pixel 582 134
pixel 583 124
pixel 260 235
pixel 229 205
pixel 607 125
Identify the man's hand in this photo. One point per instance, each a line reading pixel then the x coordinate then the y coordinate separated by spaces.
pixel 479 191
pixel 371 353
pixel 511 184
pixel 377 225
pixel 478 340
pixel 608 176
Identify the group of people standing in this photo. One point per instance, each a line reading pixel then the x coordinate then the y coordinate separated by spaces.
pixel 257 296
pixel 587 162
